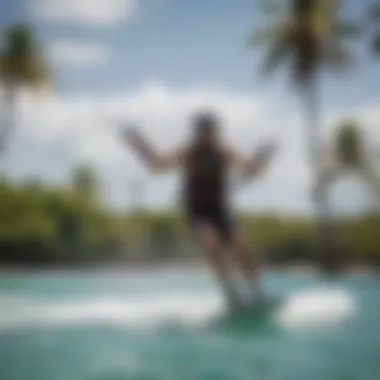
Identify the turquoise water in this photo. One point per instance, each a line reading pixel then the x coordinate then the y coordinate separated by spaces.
pixel 171 325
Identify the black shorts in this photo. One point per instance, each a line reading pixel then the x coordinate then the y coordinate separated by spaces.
pixel 216 217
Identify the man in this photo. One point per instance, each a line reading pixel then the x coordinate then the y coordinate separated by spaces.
pixel 205 164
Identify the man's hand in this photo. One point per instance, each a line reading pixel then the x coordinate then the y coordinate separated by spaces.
pixel 140 145
pixel 130 134
pixel 266 151
pixel 155 161
pixel 260 159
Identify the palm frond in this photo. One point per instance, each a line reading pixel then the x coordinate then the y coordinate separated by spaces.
pixel 271 7
pixel 35 72
pixel 329 7
pixel 348 144
pixel 264 36
pixel 330 174
pixel 302 9
pixel 2 66
pixel 307 57
pixel 374 12
pixel 337 57
pixel 22 60
pixel 372 176
pixel 276 54
pixel 376 44
pixel 306 10
pixel 343 28
pixel 19 43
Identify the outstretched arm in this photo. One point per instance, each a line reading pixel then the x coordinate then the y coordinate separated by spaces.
pixel 250 167
pixel 152 159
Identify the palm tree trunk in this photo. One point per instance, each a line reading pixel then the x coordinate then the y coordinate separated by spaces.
pixel 7 115
pixel 325 253
pixel 373 179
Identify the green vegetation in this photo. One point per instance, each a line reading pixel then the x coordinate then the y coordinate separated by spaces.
pixel 55 226
pixel 46 225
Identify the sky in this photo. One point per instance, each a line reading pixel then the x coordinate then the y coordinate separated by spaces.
pixel 153 63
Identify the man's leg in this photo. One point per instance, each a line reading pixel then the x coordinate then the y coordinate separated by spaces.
pixel 214 249
pixel 247 262
pixel 233 240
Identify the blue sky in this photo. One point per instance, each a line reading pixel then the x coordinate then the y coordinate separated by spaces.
pixel 115 51
pixel 184 44
pixel 181 43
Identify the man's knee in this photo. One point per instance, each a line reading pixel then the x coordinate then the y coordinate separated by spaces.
pixel 239 243
pixel 209 240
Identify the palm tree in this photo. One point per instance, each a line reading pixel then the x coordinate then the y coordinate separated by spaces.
pixel 374 19
pixel 84 181
pixel 21 64
pixel 349 154
pixel 309 35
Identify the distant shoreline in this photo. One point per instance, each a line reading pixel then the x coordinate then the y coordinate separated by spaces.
pixel 194 265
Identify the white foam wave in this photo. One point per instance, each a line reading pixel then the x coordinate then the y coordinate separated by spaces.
pixel 299 310
pixel 133 312
pixel 316 307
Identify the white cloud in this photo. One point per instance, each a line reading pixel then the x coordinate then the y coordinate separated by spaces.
pixel 78 54
pixel 91 12
pixel 86 128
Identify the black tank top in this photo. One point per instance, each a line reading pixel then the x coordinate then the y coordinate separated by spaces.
pixel 205 177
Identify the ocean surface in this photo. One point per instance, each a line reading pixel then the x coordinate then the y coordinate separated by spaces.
pixel 172 324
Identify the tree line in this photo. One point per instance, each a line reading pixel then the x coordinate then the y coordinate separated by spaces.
pixel 45 225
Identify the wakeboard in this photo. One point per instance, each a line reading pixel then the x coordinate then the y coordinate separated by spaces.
pixel 256 315
pixel 263 305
